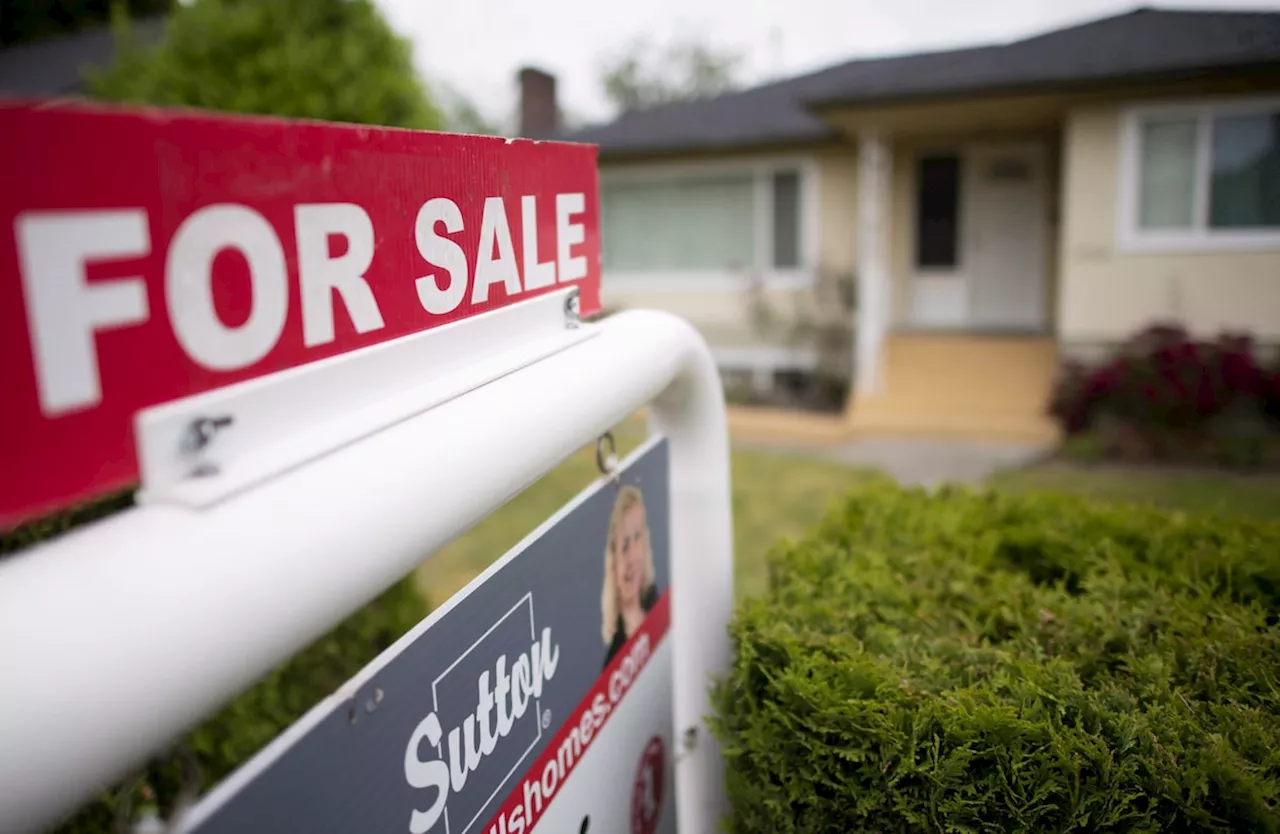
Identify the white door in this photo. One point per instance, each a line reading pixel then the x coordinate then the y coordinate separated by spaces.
pixel 938 299
pixel 1005 236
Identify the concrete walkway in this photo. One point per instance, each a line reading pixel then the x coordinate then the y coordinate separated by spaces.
pixel 925 462
pixel 929 463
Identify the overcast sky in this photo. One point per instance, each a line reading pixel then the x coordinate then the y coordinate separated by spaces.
pixel 477 46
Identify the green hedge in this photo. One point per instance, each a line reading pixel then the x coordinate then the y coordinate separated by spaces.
pixel 969 662
pixel 230 737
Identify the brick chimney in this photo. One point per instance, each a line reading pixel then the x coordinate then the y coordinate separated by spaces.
pixel 539 116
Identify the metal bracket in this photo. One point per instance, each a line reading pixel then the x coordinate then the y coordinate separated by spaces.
pixel 201 449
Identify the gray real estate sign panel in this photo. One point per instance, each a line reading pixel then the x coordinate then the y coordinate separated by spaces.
pixel 494 714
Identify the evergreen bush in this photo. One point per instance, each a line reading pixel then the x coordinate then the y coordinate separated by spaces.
pixel 970 662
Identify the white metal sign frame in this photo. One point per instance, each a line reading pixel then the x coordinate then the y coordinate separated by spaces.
pixel 119 636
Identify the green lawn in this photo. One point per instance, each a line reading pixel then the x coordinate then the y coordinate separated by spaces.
pixel 1181 489
pixel 774 495
pixel 777 495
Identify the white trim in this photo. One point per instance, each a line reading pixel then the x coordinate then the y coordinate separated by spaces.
pixel 1203 162
pixel 1199 238
pixel 875 171
pixel 761 171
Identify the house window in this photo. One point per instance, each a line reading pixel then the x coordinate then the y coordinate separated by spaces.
pixel 938 212
pixel 1244 177
pixel 711 223
pixel 705 223
pixel 1206 175
pixel 786 219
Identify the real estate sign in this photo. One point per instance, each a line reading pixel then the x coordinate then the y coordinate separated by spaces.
pixel 149 255
pixel 538 698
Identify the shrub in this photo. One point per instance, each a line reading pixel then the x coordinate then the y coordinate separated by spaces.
pixel 1161 378
pixel 977 662
pixel 1166 395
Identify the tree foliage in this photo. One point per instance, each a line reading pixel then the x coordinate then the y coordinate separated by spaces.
pixel 24 21
pixel 647 76
pixel 336 60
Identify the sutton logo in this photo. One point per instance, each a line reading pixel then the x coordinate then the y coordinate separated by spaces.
pixel 499 695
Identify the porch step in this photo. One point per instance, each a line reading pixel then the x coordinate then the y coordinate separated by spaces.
pixel 970 385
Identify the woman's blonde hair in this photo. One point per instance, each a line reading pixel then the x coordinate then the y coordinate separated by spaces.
pixel 628 497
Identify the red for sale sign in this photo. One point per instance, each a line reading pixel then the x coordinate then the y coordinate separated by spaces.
pixel 149 255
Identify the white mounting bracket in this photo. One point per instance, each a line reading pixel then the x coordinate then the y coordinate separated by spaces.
pixel 201 449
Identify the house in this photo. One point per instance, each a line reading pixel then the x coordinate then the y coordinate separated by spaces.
pixel 1001 207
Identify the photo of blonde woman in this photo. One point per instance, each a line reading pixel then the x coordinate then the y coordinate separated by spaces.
pixel 629 588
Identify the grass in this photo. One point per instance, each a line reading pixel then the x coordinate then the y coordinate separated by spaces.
pixel 778 495
pixel 1194 490
pixel 774 496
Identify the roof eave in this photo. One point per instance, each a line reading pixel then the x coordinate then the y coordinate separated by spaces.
pixel 822 106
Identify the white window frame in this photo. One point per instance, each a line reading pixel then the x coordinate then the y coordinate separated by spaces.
pixel 761 169
pixel 1199 238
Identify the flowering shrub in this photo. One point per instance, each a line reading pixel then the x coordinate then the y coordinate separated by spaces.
pixel 1162 379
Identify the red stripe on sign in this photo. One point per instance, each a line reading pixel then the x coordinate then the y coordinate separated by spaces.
pixel 179 252
pixel 526 804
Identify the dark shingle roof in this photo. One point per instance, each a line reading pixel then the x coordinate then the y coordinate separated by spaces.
pixel 1142 43
pixel 757 116
pixel 56 66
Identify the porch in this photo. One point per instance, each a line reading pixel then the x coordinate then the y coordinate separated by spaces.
pixel 957 239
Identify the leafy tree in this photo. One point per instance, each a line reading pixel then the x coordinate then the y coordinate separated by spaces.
pixel 23 21
pixel 336 60
pixel 645 76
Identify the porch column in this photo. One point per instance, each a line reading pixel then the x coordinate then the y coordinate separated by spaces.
pixel 874 167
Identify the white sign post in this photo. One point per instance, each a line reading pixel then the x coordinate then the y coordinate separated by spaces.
pixel 121 635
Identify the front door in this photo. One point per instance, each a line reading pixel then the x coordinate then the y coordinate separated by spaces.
pixel 1005 236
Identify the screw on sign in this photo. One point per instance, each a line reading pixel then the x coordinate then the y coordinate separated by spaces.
pixel 646 796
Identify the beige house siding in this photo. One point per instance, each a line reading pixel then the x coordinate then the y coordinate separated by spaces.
pixel 837 210
pixel 1106 293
